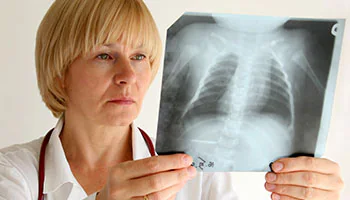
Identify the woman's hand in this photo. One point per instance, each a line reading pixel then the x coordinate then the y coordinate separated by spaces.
pixel 159 177
pixel 304 178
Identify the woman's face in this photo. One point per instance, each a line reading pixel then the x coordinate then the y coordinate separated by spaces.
pixel 108 85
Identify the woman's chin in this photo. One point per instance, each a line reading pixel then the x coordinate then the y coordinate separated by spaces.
pixel 119 115
pixel 119 119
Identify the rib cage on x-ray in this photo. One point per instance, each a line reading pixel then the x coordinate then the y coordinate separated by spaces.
pixel 248 93
pixel 260 89
pixel 233 92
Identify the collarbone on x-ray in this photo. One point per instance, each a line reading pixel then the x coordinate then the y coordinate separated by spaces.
pixel 239 97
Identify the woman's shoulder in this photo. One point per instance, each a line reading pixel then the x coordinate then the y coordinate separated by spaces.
pixel 19 168
pixel 23 158
pixel 25 150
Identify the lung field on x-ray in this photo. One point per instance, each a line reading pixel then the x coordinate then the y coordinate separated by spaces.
pixel 210 99
pixel 234 98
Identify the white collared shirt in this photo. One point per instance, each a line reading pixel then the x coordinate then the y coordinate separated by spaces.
pixel 19 173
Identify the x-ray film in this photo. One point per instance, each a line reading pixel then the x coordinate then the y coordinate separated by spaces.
pixel 239 92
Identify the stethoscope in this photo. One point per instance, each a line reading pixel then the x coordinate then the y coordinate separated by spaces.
pixel 42 158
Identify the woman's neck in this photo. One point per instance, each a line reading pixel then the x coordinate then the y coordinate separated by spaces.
pixel 90 146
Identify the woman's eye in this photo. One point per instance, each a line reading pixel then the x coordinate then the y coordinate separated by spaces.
pixel 104 56
pixel 139 57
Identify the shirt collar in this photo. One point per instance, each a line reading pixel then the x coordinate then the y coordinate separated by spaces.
pixel 57 169
pixel 139 145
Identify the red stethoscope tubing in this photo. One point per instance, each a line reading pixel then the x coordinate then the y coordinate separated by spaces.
pixel 42 158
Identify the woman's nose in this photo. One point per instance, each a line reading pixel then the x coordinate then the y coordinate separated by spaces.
pixel 125 73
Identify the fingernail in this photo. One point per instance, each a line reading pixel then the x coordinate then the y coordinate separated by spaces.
pixel 271 177
pixel 270 186
pixel 277 166
pixel 191 171
pixel 187 160
pixel 276 197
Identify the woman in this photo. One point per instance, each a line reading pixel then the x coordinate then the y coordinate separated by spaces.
pixel 95 60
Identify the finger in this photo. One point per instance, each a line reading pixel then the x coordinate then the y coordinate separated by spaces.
pixel 306 179
pixel 304 163
pixel 160 181
pixel 151 165
pixel 301 192
pixel 275 196
pixel 167 193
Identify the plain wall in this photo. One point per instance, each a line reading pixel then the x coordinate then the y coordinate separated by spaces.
pixel 24 117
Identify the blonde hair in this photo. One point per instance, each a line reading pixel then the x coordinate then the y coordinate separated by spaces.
pixel 72 28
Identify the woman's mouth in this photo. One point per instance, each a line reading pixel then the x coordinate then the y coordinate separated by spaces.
pixel 123 101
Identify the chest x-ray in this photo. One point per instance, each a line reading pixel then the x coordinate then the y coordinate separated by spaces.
pixel 239 92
